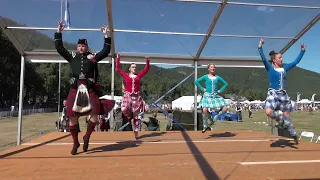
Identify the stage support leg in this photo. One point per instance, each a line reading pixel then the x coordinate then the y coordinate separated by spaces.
pixel 195 96
pixel 111 121
pixel 59 97
pixel 22 70
pixel 272 126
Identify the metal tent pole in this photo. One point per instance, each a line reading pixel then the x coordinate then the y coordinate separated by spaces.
pixel 22 70
pixel 195 110
pixel 59 95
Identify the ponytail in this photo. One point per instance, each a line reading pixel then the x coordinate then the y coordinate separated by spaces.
pixel 272 55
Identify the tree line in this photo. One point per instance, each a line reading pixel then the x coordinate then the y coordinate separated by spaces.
pixel 41 80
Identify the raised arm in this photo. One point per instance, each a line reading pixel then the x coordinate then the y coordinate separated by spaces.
pixel 59 43
pixel 297 60
pixel 197 82
pixel 118 66
pixel 106 47
pixel 266 63
pixel 146 68
pixel 225 84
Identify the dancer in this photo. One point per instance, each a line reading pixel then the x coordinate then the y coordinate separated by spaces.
pixel 277 97
pixel 210 98
pixel 132 103
pixel 84 92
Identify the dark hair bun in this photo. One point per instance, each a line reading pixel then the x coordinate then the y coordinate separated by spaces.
pixel 272 53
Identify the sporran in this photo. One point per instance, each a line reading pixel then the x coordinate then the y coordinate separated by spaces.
pixel 82 101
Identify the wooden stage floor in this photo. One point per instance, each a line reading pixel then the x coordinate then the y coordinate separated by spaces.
pixel 163 155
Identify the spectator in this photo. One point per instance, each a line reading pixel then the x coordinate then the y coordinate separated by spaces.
pixel 152 123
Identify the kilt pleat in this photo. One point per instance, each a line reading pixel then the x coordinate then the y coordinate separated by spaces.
pixel 212 100
pixel 98 107
pixel 94 102
pixel 106 105
pixel 133 103
pixel 278 100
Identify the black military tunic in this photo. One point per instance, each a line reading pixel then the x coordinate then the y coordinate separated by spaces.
pixel 82 63
pixel 85 64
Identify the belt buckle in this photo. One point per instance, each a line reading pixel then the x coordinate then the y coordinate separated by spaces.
pixel 82 76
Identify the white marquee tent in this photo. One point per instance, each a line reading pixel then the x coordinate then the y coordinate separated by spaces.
pixel 116 98
pixel 185 102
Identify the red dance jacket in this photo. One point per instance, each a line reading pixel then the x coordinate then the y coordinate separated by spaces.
pixel 132 84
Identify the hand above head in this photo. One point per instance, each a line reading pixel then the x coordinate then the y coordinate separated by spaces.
pixel 60 27
pixel 105 30
pixel 261 43
pixel 303 47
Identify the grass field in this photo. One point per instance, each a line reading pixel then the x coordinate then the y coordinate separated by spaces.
pixel 303 121
pixel 34 124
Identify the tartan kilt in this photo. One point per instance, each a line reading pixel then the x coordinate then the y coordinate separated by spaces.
pixel 133 103
pixel 98 107
pixel 212 100
pixel 106 105
pixel 278 100
pixel 103 125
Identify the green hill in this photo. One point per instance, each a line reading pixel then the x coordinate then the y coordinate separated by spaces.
pixel 298 80
pixel 33 40
pixel 41 79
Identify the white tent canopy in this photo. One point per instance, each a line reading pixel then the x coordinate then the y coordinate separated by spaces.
pixel 185 102
pixel 245 102
pixel 304 101
pixel 257 102
pixel 116 98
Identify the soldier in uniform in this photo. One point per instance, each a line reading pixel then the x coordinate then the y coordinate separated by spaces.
pixel 83 97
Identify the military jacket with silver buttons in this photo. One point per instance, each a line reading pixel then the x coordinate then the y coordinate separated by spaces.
pixel 277 76
pixel 86 63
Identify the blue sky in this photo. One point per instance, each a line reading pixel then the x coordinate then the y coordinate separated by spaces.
pixel 157 15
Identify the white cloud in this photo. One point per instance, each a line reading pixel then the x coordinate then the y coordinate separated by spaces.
pixel 265 9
